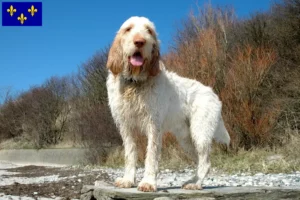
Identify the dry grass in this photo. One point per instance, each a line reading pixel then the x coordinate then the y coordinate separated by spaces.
pixel 25 142
pixel 172 155
pixel 20 142
pixel 283 159
pixel 277 160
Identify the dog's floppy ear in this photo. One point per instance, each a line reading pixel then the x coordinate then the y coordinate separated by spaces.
pixel 115 56
pixel 154 64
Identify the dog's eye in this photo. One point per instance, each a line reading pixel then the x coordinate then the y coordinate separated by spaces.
pixel 128 29
pixel 149 31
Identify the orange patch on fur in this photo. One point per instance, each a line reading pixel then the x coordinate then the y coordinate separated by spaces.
pixel 192 186
pixel 115 56
pixel 146 187
pixel 121 183
pixel 136 70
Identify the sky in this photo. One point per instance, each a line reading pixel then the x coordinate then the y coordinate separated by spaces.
pixel 73 30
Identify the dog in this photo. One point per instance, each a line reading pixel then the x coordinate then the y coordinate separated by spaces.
pixel 143 95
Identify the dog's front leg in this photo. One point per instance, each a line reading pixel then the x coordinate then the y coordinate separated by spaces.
pixel 148 183
pixel 130 159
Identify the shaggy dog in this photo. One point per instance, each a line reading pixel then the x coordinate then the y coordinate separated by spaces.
pixel 144 96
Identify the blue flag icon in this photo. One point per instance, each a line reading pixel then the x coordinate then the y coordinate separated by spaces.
pixel 22 13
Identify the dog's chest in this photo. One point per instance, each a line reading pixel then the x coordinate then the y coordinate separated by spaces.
pixel 134 104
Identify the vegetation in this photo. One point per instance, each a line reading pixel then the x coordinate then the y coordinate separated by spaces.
pixel 252 64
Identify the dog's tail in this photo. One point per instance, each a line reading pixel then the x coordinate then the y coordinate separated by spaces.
pixel 221 134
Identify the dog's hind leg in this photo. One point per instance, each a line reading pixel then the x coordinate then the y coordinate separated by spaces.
pixel 203 165
pixel 204 122
pixel 183 137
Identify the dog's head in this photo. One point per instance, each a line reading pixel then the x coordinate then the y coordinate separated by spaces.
pixel 135 51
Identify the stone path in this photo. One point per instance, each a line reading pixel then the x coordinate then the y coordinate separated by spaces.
pixel 107 191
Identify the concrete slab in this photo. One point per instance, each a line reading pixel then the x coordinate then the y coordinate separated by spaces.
pixel 106 191
pixel 59 157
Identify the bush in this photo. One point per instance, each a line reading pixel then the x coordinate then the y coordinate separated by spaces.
pixel 235 71
pixel 40 113
pixel 249 119
pixel 10 120
pixel 91 119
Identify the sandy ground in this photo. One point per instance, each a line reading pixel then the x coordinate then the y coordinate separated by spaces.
pixel 45 182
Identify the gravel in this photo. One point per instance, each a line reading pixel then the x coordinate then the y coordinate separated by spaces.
pixel 8 178
pixel 169 178
pixel 13 197
pixel 75 177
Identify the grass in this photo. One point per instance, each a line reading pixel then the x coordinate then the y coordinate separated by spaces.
pixel 17 143
pixel 282 159
pixel 24 142
pixel 256 160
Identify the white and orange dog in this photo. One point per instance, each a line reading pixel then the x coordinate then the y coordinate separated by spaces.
pixel 144 96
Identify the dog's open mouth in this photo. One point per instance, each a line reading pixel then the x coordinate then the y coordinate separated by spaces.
pixel 136 60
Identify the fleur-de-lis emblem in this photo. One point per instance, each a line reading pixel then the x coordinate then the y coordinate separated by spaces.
pixel 11 10
pixel 22 18
pixel 32 10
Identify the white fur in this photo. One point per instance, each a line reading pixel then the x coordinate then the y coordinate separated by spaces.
pixel 159 104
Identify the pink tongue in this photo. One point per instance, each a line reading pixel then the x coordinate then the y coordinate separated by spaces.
pixel 136 60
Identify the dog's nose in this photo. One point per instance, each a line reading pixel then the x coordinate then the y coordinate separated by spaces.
pixel 139 41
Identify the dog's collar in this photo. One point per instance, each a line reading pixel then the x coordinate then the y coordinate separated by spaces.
pixel 130 80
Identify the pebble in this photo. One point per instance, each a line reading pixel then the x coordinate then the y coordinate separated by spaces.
pixel 168 178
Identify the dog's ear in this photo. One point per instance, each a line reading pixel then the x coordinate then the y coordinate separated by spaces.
pixel 154 64
pixel 115 56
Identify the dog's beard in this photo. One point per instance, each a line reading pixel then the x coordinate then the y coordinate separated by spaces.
pixel 136 65
pixel 136 62
pixel 135 71
pixel 136 74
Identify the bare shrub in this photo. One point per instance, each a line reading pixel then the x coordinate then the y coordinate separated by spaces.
pixel 98 132
pixel 42 108
pixel 236 73
pixel 61 88
pixel 40 114
pixel 201 58
pixel 91 119
pixel 11 118
pixel 249 119
pixel 202 45
pixel 286 30
pixel 277 29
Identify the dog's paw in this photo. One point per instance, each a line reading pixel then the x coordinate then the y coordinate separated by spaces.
pixel 192 186
pixel 123 183
pixel 146 187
